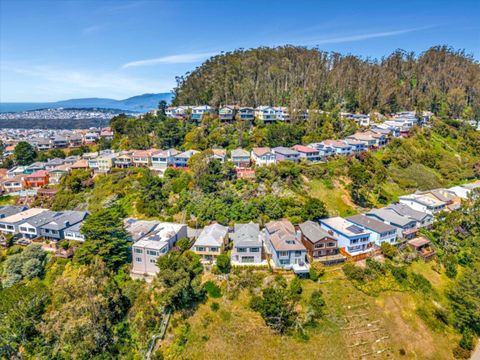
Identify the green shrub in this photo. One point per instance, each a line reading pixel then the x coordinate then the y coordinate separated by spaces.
pixel 316 271
pixel 419 282
pixel 388 250
pixel 353 272
pixel 215 306
pixel 212 289
pixel 223 263
pixel 316 303
pixel 399 273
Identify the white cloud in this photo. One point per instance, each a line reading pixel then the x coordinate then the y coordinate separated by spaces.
pixel 92 29
pixel 61 81
pixel 171 59
pixel 360 37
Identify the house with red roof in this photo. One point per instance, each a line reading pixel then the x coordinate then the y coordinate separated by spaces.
pixel 308 153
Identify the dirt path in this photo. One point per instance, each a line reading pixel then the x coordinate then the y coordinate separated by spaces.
pixel 476 352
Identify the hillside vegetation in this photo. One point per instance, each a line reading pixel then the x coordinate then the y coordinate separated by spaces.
pixel 446 154
pixel 440 79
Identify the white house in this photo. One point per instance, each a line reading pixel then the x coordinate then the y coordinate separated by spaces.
pixel 156 243
pixel 266 113
pixel 161 159
pixel 199 111
pixel 424 203
pixel 262 156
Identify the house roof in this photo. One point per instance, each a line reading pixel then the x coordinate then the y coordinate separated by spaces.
pixel 37 174
pixel 75 228
pixel 336 143
pixel 345 227
pixel 141 153
pixel 239 153
pixel 389 215
pixel 313 231
pixel 304 149
pixel 9 210
pixel 441 194
pixel 424 199
pixel 139 228
pixel 419 241
pixel 187 154
pixel 80 164
pixel 219 152
pixel 260 151
pixel 164 231
pixel 212 235
pixel 284 151
pixel 406 210
pixel 282 236
pixel 246 235
pixel 41 218
pixel 370 223
pixel 65 219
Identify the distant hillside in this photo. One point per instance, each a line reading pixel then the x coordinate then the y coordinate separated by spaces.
pixel 139 103
pixel 440 79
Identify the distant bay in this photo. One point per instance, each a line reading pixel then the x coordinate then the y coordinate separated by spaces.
pixel 140 103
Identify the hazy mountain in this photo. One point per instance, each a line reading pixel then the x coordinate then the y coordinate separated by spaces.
pixel 139 103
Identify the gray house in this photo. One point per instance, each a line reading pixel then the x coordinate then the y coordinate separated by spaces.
pixel 30 228
pixel 422 218
pixel 55 229
pixel 247 244
pixel 74 233
pixel 406 227
pixel 8 210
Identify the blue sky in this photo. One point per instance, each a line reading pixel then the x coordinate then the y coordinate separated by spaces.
pixel 53 50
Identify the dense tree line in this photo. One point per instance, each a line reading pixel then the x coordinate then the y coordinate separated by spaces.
pixel 440 79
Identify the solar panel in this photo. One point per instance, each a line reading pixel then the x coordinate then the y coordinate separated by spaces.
pixel 355 229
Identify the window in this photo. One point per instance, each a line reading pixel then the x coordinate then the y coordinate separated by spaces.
pixel 319 246
pixel 138 251
pixel 242 249
pixel 284 262
pixel 254 249
pixel 153 261
pixel 200 248
pixel 283 253
pixel 152 252
pixel 213 249
pixel 298 253
pixel 331 244
pixel 138 259
pixel 247 259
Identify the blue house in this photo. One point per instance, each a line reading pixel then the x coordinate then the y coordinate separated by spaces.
pixel 380 232
pixel 352 238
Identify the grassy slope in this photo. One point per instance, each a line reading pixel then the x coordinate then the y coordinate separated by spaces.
pixel 236 332
pixel 455 166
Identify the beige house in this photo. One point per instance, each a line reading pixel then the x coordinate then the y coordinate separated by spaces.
pixel 211 242
pixel 105 162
